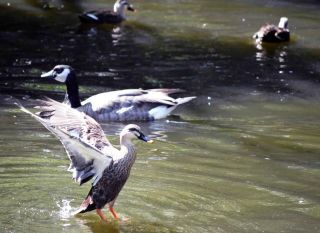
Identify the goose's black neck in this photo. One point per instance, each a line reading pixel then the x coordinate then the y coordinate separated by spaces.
pixel 73 90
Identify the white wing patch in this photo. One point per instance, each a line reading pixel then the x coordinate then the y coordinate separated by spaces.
pixel 92 16
pixel 161 111
pixel 123 110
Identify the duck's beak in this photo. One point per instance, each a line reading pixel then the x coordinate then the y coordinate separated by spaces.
pixel 49 74
pixel 130 8
pixel 145 138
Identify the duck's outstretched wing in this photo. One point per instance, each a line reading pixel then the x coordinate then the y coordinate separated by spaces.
pixel 81 136
pixel 132 104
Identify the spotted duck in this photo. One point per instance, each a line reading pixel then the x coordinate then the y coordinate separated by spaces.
pixel 123 105
pixel 272 33
pixel 108 16
pixel 92 156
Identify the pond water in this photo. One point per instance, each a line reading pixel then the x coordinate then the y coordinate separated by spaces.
pixel 243 157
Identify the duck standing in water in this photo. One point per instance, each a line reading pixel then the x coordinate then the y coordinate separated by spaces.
pixel 92 155
pixel 108 16
pixel 123 105
pixel 272 33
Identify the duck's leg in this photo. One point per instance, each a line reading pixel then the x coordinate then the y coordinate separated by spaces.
pixel 116 216
pixel 101 215
pixel 114 213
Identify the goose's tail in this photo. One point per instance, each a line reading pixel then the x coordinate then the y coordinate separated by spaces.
pixel 163 111
pixel 184 99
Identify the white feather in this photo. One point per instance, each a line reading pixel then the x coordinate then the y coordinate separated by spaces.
pixel 92 16
pixel 161 111
pixel 123 110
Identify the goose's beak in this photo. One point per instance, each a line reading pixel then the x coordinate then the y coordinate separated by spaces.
pixel 145 138
pixel 49 74
pixel 130 8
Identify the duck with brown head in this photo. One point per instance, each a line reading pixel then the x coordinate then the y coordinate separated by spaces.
pixel 92 156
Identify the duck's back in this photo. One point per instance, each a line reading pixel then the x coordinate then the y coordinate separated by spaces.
pixel 105 16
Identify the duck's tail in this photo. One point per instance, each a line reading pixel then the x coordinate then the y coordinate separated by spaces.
pixel 87 205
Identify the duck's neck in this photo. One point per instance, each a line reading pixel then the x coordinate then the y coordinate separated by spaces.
pixel 119 10
pixel 127 151
pixel 283 23
pixel 73 90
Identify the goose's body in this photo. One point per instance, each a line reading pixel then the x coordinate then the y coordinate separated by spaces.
pixel 115 16
pixel 273 33
pixel 92 156
pixel 123 105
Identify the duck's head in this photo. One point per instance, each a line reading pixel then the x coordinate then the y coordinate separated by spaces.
pixel 133 131
pixel 120 6
pixel 283 23
pixel 59 73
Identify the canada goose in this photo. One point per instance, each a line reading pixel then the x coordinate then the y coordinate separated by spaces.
pixel 107 16
pixel 123 105
pixel 272 33
pixel 91 154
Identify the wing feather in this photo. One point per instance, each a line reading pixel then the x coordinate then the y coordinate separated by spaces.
pixel 81 136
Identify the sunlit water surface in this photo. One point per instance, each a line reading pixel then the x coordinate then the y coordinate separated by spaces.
pixel 243 157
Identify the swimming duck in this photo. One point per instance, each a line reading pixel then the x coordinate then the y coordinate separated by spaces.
pixel 92 156
pixel 272 33
pixel 108 16
pixel 123 105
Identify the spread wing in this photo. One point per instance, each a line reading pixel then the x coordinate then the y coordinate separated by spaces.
pixel 82 137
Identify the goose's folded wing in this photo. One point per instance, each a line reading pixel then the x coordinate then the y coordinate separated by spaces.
pixel 115 100
pixel 81 136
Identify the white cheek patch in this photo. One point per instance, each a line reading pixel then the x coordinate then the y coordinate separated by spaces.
pixel 62 77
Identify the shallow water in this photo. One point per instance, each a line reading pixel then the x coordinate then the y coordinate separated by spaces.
pixel 242 157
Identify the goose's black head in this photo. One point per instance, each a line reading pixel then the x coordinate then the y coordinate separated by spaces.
pixel 61 73
pixel 65 74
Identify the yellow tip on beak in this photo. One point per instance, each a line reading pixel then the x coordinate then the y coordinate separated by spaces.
pixel 150 141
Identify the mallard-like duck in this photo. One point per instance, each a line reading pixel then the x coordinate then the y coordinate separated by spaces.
pixel 272 33
pixel 108 16
pixel 91 154
pixel 123 105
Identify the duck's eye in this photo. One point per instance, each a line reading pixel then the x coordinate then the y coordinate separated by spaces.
pixel 58 70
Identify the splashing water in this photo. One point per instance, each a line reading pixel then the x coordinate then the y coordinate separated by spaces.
pixel 65 209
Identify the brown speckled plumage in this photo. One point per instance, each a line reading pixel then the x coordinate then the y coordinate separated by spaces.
pixel 92 155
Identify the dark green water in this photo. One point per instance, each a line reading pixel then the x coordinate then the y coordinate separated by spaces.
pixel 243 157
